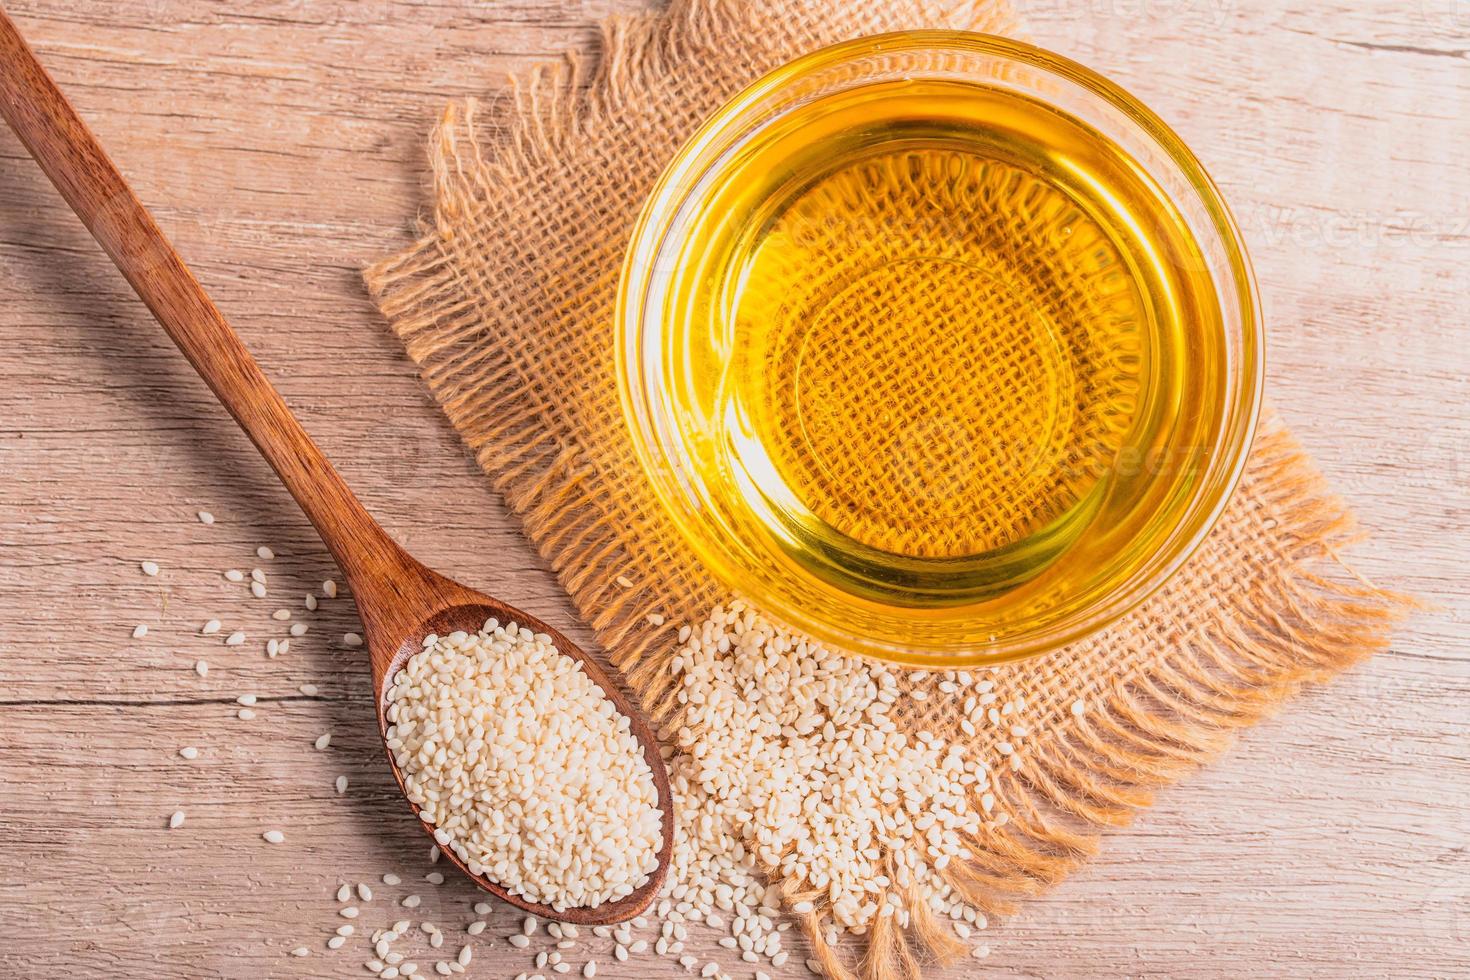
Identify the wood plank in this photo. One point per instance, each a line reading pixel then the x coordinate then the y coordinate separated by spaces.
pixel 282 145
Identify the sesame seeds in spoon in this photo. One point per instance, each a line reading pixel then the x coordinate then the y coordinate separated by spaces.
pixel 406 608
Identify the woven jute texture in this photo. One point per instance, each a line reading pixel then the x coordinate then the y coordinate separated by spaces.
pixel 506 303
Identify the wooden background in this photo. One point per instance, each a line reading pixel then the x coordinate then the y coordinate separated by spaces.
pixel 280 143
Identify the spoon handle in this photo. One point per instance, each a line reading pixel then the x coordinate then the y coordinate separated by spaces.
pixel 70 155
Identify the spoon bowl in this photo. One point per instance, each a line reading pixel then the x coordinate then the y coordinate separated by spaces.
pixel 400 601
pixel 467 610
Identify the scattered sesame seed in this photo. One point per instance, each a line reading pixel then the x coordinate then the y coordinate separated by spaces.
pixel 272 647
pixel 257 589
pixel 265 553
pixel 210 627
pixel 245 714
pixel 281 615
pixel 300 951
pixel 520 940
pixel 140 631
pixel 655 619
pixel 256 575
pixel 310 602
pixel 434 878
pixel 176 820
pixel 310 690
pixel 205 517
pixel 411 902
pixel 346 930
pixel 298 629
pixel 475 928
pixel 234 575
pixel 341 784
pixel 528 925
pixel 323 740
pixel 189 752
pixel 590 969
pixel 391 879
pixel 329 589
pixel 235 639
pixel 276 837
pixel 201 668
pixel 336 942
pixel 351 640
pixel 150 568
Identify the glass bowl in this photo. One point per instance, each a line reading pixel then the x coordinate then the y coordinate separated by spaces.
pixel 970 600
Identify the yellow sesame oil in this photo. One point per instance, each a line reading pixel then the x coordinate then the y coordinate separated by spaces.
pixel 945 345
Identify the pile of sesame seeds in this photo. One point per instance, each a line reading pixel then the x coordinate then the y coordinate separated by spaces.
pixel 524 768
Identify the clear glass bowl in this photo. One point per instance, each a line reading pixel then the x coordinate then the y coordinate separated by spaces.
pixel 655 351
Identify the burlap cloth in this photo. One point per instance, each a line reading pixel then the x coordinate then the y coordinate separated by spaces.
pixel 506 303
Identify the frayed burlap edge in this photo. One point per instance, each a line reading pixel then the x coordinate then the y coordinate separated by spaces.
pixel 1265 607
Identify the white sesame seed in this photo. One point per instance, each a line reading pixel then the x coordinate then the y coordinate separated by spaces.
pixel 205 517
pixel 234 575
pixel 346 929
pixel 298 629
pixel 272 647
pixel 341 784
pixel 140 631
pixel 351 640
pixel 245 714
pixel 265 553
pixel 281 615
pixel 201 668
pixel 364 891
pixel 329 589
pixel 276 837
pixel 245 699
pixel 210 627
pixel 336 942
pixel 257 589
pixel 391 879
pixel 310 690
pixel 528 925
pixel 655 619
pixel 411 902
pixel 475 928
pixel 1079 708
pixel 344 893
pixel 483 908
pixel 300 951
pixel 176 820
pixel 520 940
pixel 150 568
pixel 323 740
pixel 189 752
pixel 256 575
pixel 235 639
pixel 589 969
pixel 310 602
pixel 620 821
pixel 434 878
pixel 464 956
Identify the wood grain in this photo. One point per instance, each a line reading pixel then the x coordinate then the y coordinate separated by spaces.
pixel 280 144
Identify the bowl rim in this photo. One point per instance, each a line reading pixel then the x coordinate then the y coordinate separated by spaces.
pixel 1241 413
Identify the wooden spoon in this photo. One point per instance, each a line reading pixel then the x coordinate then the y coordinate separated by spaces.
pixel 400 601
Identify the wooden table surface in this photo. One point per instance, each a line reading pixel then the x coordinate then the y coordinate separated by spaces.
pixel 281 144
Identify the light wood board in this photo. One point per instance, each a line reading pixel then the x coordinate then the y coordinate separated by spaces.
pixel 281 145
